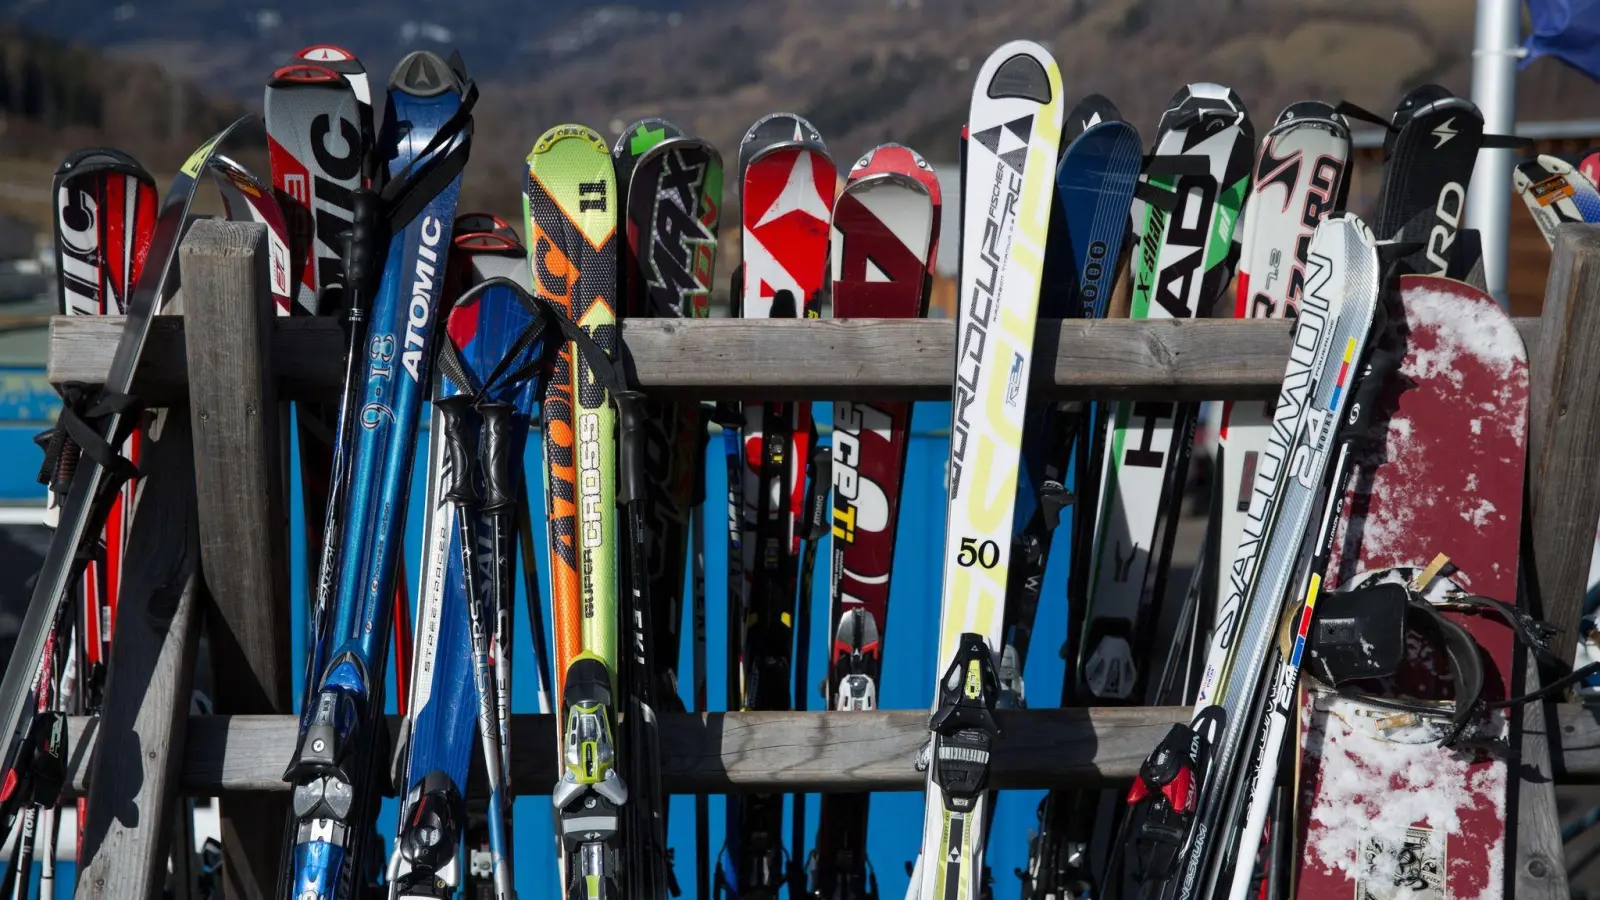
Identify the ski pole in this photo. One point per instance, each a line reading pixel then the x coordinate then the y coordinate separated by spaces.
pixel 462 493
pixel 817 512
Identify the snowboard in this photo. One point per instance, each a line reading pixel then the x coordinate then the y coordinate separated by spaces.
pixel 1383 812
pixel 884 237
pixel 1555 193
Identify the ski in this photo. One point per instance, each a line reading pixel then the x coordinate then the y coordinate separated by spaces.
pixel 1182 266
pixel 83 463
pixel 1014 132
pixel 1555 193
pixel 884 241
pixel 105 213
pixel 461 686
pixel 572 218
pixel 1400 800
pixel 317 146
pixel 1430 149
pixel 246 198
pixel 1192 792
pixel 673 202
pixel 1299 179
pixel 318 112
pixel 340 749
pixel 1095 186
pixel 786 200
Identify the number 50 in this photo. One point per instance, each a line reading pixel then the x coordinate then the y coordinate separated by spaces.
pixel 985 554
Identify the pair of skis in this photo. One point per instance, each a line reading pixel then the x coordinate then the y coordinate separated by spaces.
pixel 105 211
pixel 609 797
pixel 408 219
pixel 118 252
pixel 671 185
pixel 787 191
pixel 490 360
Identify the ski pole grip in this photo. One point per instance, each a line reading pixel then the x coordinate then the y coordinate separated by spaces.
pixel 818 509
pixel 630 417
pixel 361 245
pixel 458 456
pixel 495 455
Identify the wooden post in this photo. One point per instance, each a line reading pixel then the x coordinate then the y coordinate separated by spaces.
pixel 242 511
pixel 1564 435
pixel 134 779
pixel 1536 823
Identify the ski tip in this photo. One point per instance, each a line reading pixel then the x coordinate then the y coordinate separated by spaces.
pixel 304 73
pixel 485 233
pixel 1089 112
pixel 1302 111
pixel 556 135
pixel 1022 75
pixel 781 126
pixel 890 156
pixel 326 53
pixel 91 160
pixel 1420 96
pixel 642 135
pixel 423 74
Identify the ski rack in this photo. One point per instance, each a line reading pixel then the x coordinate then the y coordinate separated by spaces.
pixel 217 541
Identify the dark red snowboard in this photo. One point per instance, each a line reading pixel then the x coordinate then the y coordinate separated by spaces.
pixel 1383 811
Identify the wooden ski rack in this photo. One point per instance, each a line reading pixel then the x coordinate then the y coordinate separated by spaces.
pixel 212 535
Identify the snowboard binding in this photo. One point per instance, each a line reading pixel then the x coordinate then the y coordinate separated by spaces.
pixel 1360 635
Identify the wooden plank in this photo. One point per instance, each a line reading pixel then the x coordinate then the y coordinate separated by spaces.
pixel 141 736
pixel 753 751
pixel 242 510
pixel 1540 868
pixel 1564 435
pixel 793 360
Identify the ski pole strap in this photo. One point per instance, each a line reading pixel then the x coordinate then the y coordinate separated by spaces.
pixel 417 185
pixel 77 431
pixel 546 313
pixel 817 507
pixel 1171 165
pixel 1351 111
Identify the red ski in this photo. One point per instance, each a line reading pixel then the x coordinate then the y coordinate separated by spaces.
pixel 884 239
pixel 1385 811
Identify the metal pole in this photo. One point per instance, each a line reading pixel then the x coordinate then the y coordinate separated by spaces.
pixel 1497 47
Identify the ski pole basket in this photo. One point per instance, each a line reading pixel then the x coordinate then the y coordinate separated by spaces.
pixel 212 537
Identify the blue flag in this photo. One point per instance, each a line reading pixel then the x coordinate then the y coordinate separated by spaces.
pixel 1569 30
